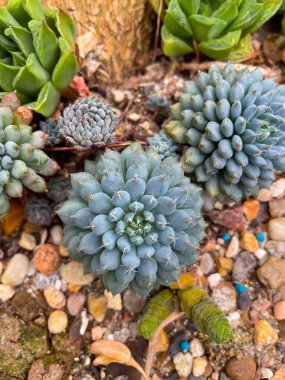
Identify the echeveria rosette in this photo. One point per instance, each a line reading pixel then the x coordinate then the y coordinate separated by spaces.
pixel 162 144
pixel 133 219
pixel 50 127
pixel 218 28
pixel 234 123
pixel 22 162
pixel 88 122
pixel 37 56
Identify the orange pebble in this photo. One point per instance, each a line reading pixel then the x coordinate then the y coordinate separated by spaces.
pixel 73 287
pixel 47 258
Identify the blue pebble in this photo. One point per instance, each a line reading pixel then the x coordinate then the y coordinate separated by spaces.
pixel 185 346
pixel 240 288
pixel 227 236
pixel 260 236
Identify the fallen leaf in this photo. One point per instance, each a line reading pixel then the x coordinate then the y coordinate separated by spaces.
pixel 109 351
pixel 14 219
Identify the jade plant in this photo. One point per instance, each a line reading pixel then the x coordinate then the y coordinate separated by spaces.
pixel 22 162
pixel 37 56
pixel 233 122
pixel 218 28
pixel 133 219
pixel 88 122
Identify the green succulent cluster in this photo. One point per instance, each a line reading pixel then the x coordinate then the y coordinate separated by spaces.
pixel 233 122
pixel 22 162
pixel 218 28
pixel 133 219
pixel 37 56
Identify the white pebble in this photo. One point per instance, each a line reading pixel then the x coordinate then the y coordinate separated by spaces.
pixel 183 363
pixel 260 253
pixel 266 373
pixel 57 322
pixel 196 348
pixel 214 280
pixel 56 234
pixel 16 270
pixel 6 292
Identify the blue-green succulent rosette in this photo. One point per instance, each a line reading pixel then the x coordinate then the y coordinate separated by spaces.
pixel 234 124
pixel 133 219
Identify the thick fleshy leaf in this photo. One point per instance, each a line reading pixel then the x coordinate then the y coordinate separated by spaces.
pixel 22 37
pixel 242 51
pixel 45 43
pixel 176 21
pixel 16 8
pixel 172 45
pixel 206 28
pixel 7 76
pixel 35 9
pixel 220 48
pixel 6 19
pixel 47 101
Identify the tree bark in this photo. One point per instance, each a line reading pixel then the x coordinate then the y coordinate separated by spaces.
pixel 118 30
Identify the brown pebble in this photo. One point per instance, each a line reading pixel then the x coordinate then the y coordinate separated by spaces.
pixel 47 258
pixel 279 310
pixel 55 298
pixel 241 369
pixel 75 303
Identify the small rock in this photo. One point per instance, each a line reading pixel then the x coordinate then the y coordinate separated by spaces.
pixel 241 369
pixel 264 333
pixel 134 117
pixel 6 292
pixel 56 234
pixel 16 270
pixel 276 229
pixel 75 303
pixel 196 348
pixel 199 366
pixel 47 259
pixel 260 253
pixel 122 335
pixel 183 363
pixel 42 369
pixel 224 265
pixel 224 295
pixel 231 218
pixel 264 195
pixel 251 208
pixel 133 302
pixel 55 298
pixel 279 374
pixel 243 301
pixel 118 96
pixel 272 272
pixel 275 248
pixel 277 189
pixel 233 247
pixel 279 310
pixel 214 279
pixel 266 373
pixel 249 242
pixel 97 306
pixel 113 302
pixel 234 319
pixel 175 345
pixel 97 332
pixel 25 306
pixel 73 273
pixel 27 241
pixel 57 322
pixel 207 263
pixel 244 265
pixel 277 207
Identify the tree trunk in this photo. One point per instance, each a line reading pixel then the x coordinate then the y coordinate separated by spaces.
pixel 118 30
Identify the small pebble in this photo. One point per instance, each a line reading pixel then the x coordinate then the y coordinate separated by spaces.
pixel 266 373
pixel 249 242
pixel 97 332
pixel 234 319
pixel 264 333
pixel 184 346
pixel 251 208
pixel 57 322
pixel 122 335
pixel 279 310
pixel 175 345
pixel 56 234
pixel 244 265
pixel 47 259
pixel 196 348
pixel 276 229
pixel 226 236
pixel 260 236
pixel 224 295
pixel 214 279
pixel 243 301
pixel 207 263
pixel 224 265
pixel 241 368
pixel 233 247
pixel 133 302
pixel 240 288
pixel 55 298
pixel 277 189
pixel 260 253
pixel 114 302
pixel 75 303
pixel 6 292
pixel 272 272
pixel 183 363
pixel 73 273
pixel 27 241
pixel 199 366
pixel 16 270
pixel 97 306
pixel 264 195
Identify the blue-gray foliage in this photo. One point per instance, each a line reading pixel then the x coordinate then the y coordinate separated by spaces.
pixel 162 144
pixel 133 219
pixel 234 123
